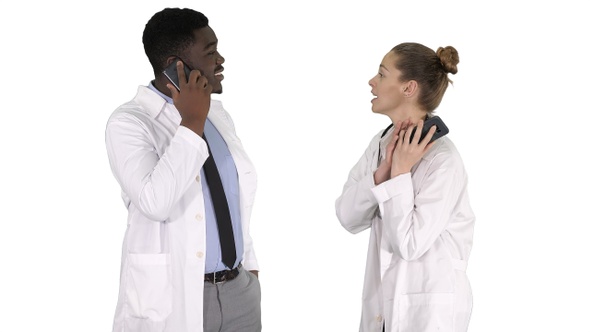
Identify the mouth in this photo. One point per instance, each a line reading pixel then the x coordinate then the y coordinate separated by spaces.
pixel 218 73
pixel 372 100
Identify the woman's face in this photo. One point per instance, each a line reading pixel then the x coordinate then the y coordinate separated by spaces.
pixel 386 87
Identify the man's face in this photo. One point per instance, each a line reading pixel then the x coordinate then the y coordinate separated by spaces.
pixel 203 55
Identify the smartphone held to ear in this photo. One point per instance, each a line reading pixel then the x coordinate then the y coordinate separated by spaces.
pixel 172 74
pixel 441 129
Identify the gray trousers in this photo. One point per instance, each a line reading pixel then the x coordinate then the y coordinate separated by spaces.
pixel 233 306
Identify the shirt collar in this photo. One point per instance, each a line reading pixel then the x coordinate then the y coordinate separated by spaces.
pixel 153 88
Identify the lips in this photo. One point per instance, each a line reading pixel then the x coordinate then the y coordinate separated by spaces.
pixel 218 71
pixel 373 93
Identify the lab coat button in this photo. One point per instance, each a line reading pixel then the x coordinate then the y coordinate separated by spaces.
pixel 200 254
pixel 198 178
pixel 199 217
pixel 379 318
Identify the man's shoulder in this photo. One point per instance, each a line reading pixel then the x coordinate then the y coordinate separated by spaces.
pixel 129 110
pixel 142 107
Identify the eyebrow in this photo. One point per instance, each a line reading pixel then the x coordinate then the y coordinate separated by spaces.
pixel 213 43
pixel 382 66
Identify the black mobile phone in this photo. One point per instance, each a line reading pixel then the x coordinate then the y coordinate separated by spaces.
pixel 441 129
pixel 172 74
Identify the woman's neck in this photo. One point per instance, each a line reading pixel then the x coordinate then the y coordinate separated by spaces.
pixel 414 114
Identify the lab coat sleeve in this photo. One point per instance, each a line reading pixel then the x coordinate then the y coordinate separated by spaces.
pixel 356 207
pixel 153 183
pixel 413 221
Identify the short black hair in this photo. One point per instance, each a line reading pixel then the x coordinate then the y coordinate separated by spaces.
pixel 170 32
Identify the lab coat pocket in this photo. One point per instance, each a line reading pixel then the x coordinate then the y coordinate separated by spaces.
pixel 427 312
pixel 149 291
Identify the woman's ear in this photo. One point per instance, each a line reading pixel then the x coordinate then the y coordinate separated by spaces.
pixel 410 88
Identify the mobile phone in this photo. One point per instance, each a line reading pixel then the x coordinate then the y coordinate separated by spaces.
pixel 441 129
pixel 172 74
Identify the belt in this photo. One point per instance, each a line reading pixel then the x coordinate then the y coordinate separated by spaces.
pixel 222 276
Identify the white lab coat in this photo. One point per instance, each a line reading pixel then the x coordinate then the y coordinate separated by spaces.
pixel 157 164
pixel 421 236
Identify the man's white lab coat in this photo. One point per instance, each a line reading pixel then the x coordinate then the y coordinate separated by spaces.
pixel 157 163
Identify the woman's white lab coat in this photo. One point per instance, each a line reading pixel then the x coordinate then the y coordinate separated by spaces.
pixel 157 163
pixel 421 227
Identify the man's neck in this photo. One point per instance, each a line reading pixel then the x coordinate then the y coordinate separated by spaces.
pixel 161 86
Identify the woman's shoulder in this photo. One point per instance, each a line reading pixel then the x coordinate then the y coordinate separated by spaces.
pixel 444 153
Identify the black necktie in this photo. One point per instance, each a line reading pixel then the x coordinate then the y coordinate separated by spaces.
pixel 226 232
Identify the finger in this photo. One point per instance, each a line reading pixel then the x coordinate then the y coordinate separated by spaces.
pixel 397 127
pixel 180 70
pixel 418 133
pixel 195 75
pixel 406 124
pixel 173 91
pixel 201 80
pixel 391 144
pixel 403 136
pixel 428 136
pixel 428 146
pixel 204 83
pixel 395 141
pixel 389 149
pixel 408 134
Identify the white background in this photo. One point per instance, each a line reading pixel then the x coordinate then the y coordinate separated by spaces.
pixel 296 85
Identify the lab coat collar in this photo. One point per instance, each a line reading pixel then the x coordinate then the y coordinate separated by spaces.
pixel 388 132
pixel 155 104
pixel 150 101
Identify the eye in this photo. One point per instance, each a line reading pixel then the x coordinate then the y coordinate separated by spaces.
pixel 380 75
pixel 212 52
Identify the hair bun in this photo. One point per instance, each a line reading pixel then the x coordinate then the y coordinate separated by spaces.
pixel 449 58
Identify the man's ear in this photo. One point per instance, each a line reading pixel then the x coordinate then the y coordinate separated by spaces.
pixel 171 59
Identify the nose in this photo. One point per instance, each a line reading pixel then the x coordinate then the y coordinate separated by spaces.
pixel 371 82
pixel 220 59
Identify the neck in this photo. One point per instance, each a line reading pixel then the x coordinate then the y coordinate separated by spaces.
pixel 412 113
pixel 160 84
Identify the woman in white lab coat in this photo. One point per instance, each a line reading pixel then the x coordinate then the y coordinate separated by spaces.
pixel 413 198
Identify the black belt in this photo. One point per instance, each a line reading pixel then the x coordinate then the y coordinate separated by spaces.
pixel 222 276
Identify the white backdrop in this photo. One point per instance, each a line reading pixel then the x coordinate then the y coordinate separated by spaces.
pixel 296 85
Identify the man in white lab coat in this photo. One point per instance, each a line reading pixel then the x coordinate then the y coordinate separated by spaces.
pixel 178 272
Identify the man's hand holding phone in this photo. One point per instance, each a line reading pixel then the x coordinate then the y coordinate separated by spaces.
pixel 192 98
